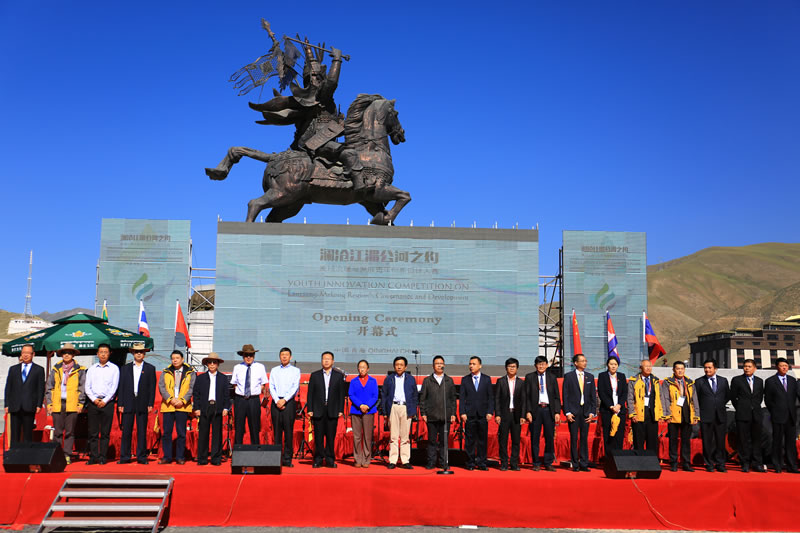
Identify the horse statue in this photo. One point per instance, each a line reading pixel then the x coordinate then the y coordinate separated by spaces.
pixel 292 178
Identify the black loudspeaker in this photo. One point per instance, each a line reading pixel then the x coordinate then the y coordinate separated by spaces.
pixel 640 464
pixel 34 457
pixel 256 459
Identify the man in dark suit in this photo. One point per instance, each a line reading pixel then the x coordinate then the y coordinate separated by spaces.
pixel 747 393
pixel 612 390
pixel 476 406
pixel 399 405
pixel 24 395
pixel 580 408
pixel 780 395
pixel 543 411
pixel 135 398
pixel 211 402
pixel 326 388
pixel 509 402
pixel 713 394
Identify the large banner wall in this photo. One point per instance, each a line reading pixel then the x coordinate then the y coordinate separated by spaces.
pixel 147 260
pixel 605 271
pixel 370 292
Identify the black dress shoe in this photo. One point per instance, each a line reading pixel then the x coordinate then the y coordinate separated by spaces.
pixel 332 465
pixel 92 462
pixel 429 467
pixel 391 466
pixel 142 461
pixel 550 468
pixel 202 463
pixel 503 468
pixel 181 461
pixel 216 463
pixel 778 470
pixel 745 469
pixel 515 468
pixel 585 469
pixel 759 468
pixel 575 469
pixel 101 461
pixel 288 465
pixel 469 467
pixel 688 468
pixel 793 471
pixel 124 462
pixel 406 466
pixel 163 461
pixel 709 469
pixel 673 467
pixel 483 467
pixel 536 468
pixel 721 468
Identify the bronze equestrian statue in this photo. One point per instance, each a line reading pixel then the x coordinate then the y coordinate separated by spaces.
pixel 316 168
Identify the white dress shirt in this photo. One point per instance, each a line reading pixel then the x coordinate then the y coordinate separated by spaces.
pixel 326 376
pixel 512 384
pixel 212 386
pixel 399 388
pixel 543 397
pixel 284 382
pixel 614 385
pixel 438 378
pixel 102 381
pixel 137 374
pixel 581 384
pixel 258 377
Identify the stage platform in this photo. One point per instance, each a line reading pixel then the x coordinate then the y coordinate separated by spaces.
pixel 348 496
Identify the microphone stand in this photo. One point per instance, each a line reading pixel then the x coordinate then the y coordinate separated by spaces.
pixel 446 466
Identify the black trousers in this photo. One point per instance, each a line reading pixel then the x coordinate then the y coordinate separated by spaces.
pixel 543 421
pixel 283 428
pixel 324 437
pixel 22 426
pixel 713 435
pixel 783 440
pixel 437 440
pixel 476 437
pixel 128 419
pixel 579 442
pixel 210 421
pixel 684 432
pixel 645 434
pixel 749 433
pixel 99 422
pixel 609 442
pixel 509 424
pixel 177 419
pixel 249 410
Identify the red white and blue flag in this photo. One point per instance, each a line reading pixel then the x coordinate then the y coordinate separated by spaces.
pixel 144 329
pixel 654 348
pixel 181 331
pixel 612 339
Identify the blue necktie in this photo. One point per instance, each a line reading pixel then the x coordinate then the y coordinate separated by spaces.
pixel 247 384
pixel 541 382
pixel 24 373
pixel 475 380
pixel 714 384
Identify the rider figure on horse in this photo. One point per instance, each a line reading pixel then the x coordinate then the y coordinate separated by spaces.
pixel 313 112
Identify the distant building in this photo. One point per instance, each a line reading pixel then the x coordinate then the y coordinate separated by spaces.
pixel 26 325
pixel 764 345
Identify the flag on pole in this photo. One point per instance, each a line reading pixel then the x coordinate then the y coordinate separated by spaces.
pixel 654 348
pixel 576 335
pixel 612 339
pixel 181 331
pixel 105 312
pixel 144 329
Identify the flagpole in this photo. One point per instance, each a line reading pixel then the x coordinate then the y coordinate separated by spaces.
pixel 174 333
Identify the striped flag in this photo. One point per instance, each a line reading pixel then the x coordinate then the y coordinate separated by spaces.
pixel 181 331
pixel 576 336
pixel 612 339
pixel 144 329
pixel 105 312
pixel 654 348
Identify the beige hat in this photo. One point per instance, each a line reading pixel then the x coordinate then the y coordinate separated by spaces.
pixel 212 357
pixel 138 347
pixel 68 348
pixel 247 349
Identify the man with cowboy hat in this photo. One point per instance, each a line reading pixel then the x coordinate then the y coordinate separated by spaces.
pixel 250 380
pixel 212 400
pixel 136 396
pixel 67 382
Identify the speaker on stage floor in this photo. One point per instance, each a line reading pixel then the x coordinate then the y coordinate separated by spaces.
pixel 640 464
pixel 34 457
pixel 256 459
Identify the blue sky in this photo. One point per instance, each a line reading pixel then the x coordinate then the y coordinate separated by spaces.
pixel 672 117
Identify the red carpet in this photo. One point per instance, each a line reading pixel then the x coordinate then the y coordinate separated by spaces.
pixel 346 496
